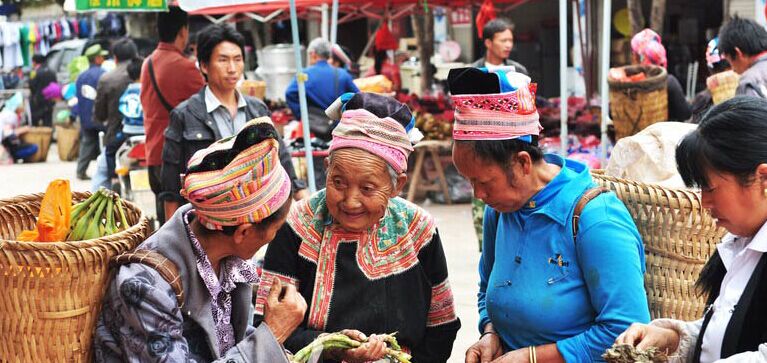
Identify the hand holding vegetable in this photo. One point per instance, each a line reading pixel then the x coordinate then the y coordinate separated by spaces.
pixel 373 348
pixel 354 346
pixel 644 336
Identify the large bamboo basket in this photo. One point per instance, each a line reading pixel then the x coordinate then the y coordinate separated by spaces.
pixel 40 136
pixel 636 105
pixel 68 141
pixel 679 237
pixel 722 86
pixel 52 291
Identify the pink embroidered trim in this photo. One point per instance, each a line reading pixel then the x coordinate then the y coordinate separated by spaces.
pixel 383 137
pixel 496 116
pixel 267 280
pixel 394 157
pixel 442 309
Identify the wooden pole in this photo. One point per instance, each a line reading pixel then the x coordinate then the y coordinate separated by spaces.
pixel 423 26
pixel 636 16
pixel 657 14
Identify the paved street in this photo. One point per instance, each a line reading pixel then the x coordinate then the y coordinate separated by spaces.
pixel 454 223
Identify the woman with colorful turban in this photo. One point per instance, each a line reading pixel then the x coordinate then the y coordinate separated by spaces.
pixel 647 49
pixel 561 271
pixel 185 294
pixel 365 260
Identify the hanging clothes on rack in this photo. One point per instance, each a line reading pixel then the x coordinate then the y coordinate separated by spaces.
pixel 24 42
pixel 12 57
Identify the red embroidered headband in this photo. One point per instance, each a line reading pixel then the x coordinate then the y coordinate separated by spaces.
pixel 500 116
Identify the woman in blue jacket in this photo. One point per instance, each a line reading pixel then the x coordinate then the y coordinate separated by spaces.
pixel 552 288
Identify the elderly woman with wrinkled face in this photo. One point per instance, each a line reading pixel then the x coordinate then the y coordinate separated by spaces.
pixel 365 260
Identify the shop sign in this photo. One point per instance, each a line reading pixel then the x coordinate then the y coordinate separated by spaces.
pixel 122 5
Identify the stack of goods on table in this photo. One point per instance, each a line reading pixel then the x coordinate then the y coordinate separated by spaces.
pixel 585 148
pixel 583 117
pixel 375 84
pixel 434 127
pixel 433 115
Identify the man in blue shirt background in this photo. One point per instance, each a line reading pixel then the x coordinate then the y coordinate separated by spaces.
pixel 324 85
pixel 86 94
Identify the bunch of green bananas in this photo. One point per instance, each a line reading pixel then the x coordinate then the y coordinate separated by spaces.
pixel 341 341
pixel 97 216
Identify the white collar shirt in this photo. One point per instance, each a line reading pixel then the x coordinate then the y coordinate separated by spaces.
pixel 226 125
pixel 740 256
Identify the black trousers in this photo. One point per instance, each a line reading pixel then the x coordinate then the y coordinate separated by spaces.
pixel 155 182
pixel 89 150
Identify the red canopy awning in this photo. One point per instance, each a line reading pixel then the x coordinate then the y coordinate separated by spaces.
pixel 219 7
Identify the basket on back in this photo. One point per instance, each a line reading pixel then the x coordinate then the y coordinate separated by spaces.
pixel 68 141
pixel 722 86
pixel 40 136
pixel 678 235
pixel 636 105
pixel 52 291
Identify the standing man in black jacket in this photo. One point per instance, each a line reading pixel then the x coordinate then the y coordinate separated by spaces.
pixel 218 111
pixel 42 109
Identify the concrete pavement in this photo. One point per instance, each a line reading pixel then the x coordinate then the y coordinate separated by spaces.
pixel 454 224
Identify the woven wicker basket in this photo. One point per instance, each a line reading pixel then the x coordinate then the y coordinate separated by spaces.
pixel 679 237
pixel 68 141
pixel 40 136
pixel 254 88
pixel 636 105
pixel 52 291
pixel 722 86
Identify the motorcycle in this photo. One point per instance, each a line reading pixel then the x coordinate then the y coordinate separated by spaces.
pixel 133 175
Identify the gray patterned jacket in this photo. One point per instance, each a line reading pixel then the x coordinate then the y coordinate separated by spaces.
pixel 140 320
pixel 753 82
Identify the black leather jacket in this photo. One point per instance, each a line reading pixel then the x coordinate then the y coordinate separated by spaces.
pixel 192 128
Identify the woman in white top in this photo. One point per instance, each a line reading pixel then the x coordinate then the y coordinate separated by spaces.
pixel 727 158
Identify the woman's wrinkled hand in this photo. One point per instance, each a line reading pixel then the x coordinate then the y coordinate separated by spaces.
pixel 283 314
pixel 486 349
pixel 644 336
pixel 373 348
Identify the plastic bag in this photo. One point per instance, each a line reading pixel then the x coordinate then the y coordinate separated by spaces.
pixel 54 217
pixel 458 187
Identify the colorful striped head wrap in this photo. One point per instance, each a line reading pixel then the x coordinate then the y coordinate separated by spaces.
pixel 369 121
pixel 487 107
pixel 647 45
pixel 251 185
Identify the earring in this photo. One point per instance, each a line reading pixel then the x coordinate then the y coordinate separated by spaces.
pixel 765 192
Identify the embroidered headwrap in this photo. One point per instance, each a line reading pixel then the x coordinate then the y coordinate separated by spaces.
pixel 488 107
pixel 373 122
pixel 647 45
pixel 238 180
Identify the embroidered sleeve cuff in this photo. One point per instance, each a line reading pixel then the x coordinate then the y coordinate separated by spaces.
pixel 267 280
pixel 688 336
pixel 442 310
